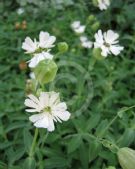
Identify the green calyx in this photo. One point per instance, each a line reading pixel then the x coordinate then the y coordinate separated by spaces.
pixel 45 71
pixel 126 157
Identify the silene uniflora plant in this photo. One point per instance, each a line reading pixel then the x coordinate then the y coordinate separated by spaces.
pixel 44 106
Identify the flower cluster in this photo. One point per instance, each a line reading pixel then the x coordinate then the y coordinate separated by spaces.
pixel 80 29
pixel 39 49
pixel 103 4
pixel 77 27
pixel 107 41
pixel 85 42
pixel 46 104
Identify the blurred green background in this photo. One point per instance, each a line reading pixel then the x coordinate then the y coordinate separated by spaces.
pixel 109 86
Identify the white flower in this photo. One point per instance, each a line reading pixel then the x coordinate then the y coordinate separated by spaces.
pixel 20 11
pixel 45 40
pixel 32 75
pixel 108 42
pixel 77 27
pixel 103 4
pixel 49 109
pixel 39 57
pixel 85 42
pixel 29 45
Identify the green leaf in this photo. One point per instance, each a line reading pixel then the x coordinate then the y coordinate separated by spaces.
pixel 29 163
pixel 74 143
pixel 94 149
pixel 127 138
pixel 27 139
pixel 56 162
pixel 101 127
pixel 93 121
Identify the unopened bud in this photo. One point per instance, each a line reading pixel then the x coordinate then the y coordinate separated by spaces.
pixel 95 2
pixel 126 157
pixel 23 65
pixel 95 26
pixel 62 47
pixel 91 18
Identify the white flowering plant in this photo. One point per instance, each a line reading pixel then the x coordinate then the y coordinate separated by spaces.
pixel 67 102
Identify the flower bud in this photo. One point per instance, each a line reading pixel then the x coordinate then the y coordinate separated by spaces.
pixel 126 157
pixel 95 2
pixel 95 26
pixel 97 54
pixel 62 47
pixel 23 65
pixel 45 71
pixel 91 18
pixel 17 25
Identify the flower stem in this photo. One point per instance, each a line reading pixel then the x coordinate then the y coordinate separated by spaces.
pixel 115 117
pixel 31 153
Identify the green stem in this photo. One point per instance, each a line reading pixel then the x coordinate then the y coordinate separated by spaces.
pixel 113 120
pixel 43 142
pixel 103 141
pixel 31 153
pixel 92 62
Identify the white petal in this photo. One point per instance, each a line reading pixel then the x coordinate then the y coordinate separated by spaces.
pixel 42 123
pixel 105 51
pixel 75 24
pixel 99 37
pixel 47 55
pixel 45 40
pixel 50 41
pixel 32 75
pixel 60 107
pixel 44 99
pixel 87 44
pixel 65 115
pixel 43 36
pixel 33 98
pixel 51 125
pixel 30 103
pixel 81 29
pixel 31 110
pixel 83 38
pixel 35 60
pixel 111 37
pixel 54 98
pixel 116 49
pixel 29 45
pixel 36 117
pixel 103 4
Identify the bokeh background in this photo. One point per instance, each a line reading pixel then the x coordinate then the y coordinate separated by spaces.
pixel 94 96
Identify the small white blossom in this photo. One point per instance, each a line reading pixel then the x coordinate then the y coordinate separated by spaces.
pixel 45 40
pixel 77 27
pixel 32 75
pixel 108 42
pixel 20 11
pixel 29 45
pixel 103 4
pixel 49 109
pixel 85 42
pixel 39 57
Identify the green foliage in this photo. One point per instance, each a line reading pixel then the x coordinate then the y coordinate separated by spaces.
pixel 95 89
